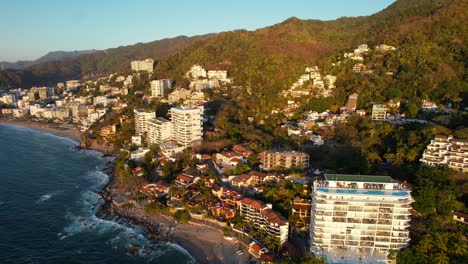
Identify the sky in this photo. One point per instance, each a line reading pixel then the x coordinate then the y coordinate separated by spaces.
pixel 31 28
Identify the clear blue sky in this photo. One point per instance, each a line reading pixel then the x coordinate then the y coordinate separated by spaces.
pixel 31 28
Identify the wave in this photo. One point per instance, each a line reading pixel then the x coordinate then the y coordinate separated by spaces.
pixel 47 196
pixel 183 250
pixel 121 236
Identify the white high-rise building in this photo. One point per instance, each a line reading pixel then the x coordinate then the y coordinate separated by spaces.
pixel 141 119
pixel 187 124
pixel 359 217
pixel 159 87
pixel 159 130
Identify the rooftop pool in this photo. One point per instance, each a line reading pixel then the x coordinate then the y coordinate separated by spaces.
pixel 363 192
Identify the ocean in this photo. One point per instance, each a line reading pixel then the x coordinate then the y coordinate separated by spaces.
pixel 48 205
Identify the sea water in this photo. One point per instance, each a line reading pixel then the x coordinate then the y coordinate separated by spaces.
pixel 48 205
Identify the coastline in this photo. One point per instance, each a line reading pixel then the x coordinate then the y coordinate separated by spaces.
pixel 204 244
pixel 71 133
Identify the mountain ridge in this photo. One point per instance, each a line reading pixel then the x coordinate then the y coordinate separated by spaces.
pixel 288 45
pixel 50 56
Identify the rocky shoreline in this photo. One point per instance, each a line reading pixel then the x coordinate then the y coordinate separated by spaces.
pixel 204 244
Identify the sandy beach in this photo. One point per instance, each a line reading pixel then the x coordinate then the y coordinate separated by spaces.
pixel 205 244
pixel 54 128
pixel 51 128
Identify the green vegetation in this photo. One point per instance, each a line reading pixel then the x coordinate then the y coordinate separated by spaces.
pixel 182 216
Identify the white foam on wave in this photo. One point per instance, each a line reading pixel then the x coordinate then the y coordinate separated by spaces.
pixel 121 236
pixel 62 137
pixel 98 177
pixel 183 250
pixel 46 197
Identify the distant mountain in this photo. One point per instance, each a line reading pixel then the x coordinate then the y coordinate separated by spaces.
pixel 51 56
pixel 106 61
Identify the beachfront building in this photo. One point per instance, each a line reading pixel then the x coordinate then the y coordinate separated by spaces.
pixel 359 218
pixel 187 124
pixel 142 65
pixel 263 217
pixel 447 151
pixel 379 112
pixel 141 118
pixel 271 160
pixel 159 130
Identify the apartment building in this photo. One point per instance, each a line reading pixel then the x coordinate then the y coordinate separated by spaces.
pixel 220 75
pixel 351 103
pixel 359 217
pixel 265 218
pixel 141 118
pixel 159 130
pixel 270 160
pixel 447 151
pixel 142 65
pixel 159 88
pixel 379 112
pixel 187 124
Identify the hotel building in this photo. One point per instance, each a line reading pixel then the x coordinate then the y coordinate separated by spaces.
pixel 359 218
pixel 187 124
pixel 447 151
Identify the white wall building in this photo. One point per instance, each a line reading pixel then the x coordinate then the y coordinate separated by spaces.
pixel 141 119
pixel 142 65
pixel 187 124
pixel 159 88
pixel 159 130
pixel 220 75
pixel 359 217
pixel 196 72
pixel 447 151
pixel 379 112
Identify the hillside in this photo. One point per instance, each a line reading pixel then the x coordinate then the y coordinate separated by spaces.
pixel 100 62
pixel 51 56
pixel 271 58
pixel 431 37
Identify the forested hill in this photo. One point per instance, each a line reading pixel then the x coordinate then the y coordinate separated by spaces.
pixel 432 32
pixel 107 61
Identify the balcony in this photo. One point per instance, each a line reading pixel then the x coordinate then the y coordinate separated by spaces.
pixel 339 219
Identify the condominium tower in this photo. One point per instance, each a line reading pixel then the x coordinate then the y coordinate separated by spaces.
pixel 359 218
pixel 187 124
pixel 159 130
pixel 141 118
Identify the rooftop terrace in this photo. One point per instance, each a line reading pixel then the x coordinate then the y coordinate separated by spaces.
pixel 359 178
